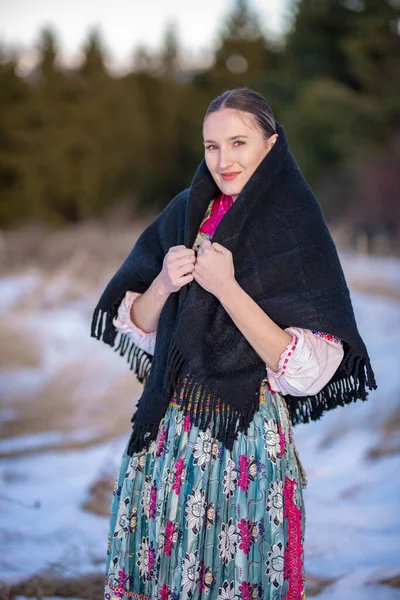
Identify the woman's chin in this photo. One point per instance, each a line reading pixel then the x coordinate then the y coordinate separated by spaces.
pixel 230 189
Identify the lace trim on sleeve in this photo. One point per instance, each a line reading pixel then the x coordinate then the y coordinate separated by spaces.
pixel 124 324
pixel 307 363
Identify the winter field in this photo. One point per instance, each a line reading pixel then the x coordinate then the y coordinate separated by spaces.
pixel 66 402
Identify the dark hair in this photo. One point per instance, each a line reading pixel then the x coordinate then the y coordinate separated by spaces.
pixel 248 101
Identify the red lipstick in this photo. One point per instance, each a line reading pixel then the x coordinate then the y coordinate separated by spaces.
pixel 230 176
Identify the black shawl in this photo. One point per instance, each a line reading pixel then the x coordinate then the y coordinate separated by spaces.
pixel 284 258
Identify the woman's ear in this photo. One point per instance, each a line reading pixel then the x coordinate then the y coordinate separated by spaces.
pixel 272 140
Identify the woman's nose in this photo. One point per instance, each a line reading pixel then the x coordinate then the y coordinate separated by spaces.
pixel 225 160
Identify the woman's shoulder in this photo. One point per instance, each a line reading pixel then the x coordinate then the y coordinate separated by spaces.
pixel 179 200
pixel 175 207
pixel 181 196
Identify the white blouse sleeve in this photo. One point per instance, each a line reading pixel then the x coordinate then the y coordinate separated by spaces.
pixel 307 364
pixel 124 324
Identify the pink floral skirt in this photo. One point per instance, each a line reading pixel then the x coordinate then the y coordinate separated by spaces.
pixel 193 520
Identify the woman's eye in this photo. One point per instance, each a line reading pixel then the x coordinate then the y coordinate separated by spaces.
pixel 236 143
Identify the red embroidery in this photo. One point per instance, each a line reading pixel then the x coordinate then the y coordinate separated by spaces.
pixel 152 560
pixel 282 439
pixel 187 424
pixel 293 567
pixel 164 592
pixel 179 466
pixel 243 481
pixel 246 589
pixel 170 531
pixel 327 336
pixel 244 527
pixel 122 592
pixel 153 502
pixel 286 353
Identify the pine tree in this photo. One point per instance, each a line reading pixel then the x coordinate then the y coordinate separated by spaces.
pixel 93 65
pixel 170 52
pixel 15 97
pixel 314 46
pixel 242 23
pixel 243 55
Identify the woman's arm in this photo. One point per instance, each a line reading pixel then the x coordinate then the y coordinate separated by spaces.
pixel 214 271
pixel 176 272
pixel 255 324
pixel 123 323
pixel 146 309
pixel 298 361
pixel 307 364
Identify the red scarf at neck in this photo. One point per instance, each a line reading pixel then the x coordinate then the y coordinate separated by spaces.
pixel 220 206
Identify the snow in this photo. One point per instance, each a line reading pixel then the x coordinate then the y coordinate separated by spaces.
pixel 351 500
pixel 46 523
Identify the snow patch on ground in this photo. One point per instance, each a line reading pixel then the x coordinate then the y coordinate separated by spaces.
pixel 351 500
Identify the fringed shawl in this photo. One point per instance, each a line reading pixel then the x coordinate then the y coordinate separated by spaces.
pixel 284 258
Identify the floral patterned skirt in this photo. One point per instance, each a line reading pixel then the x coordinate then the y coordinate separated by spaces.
pixel 193 520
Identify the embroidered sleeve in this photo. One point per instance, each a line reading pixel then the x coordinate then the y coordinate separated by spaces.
pixel 307 363
pixel 124 324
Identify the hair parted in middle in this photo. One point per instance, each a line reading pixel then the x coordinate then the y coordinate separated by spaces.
pixel 249 101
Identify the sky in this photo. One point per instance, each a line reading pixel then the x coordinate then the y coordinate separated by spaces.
pixel 125 24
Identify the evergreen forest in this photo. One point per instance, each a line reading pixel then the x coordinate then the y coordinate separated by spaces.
pixel 78 142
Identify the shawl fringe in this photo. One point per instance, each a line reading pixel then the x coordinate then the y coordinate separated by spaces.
pixel 341 390
pixel 204 407
pixel 354 375
pixel 139 360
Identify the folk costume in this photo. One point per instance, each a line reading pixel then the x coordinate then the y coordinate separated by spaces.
pixel 211 455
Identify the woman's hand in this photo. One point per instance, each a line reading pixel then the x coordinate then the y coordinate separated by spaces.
pixel 177 268
pixel 214 269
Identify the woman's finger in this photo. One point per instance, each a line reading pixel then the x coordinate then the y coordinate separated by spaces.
pixel 205 244
pixel 218 248
pixel 180 251
pixel 184 260
pixel 182 270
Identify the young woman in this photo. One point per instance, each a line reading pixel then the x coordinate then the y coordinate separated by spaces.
pixel 233 309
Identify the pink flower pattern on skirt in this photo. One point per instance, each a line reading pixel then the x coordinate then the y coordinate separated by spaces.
pixel 193 521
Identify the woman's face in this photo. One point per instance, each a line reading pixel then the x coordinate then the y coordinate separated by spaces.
pixel 234 147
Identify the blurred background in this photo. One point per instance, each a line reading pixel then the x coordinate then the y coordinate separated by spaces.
pixel 101 109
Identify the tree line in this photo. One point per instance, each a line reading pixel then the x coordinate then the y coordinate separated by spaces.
pixel 75 143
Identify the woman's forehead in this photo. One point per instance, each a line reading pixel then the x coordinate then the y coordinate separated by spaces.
pixel 229 122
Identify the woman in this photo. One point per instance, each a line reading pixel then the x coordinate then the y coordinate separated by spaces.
pixel 233 309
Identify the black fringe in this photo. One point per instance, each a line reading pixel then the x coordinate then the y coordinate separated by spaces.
pixel 201 403
pixel 141 437
pixel 205 409
pixel 227 421
pixel 103 329
pixel 348 385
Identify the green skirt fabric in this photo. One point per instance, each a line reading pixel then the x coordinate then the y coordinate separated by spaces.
pixel 193 520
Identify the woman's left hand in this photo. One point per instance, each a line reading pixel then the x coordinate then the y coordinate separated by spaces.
pixel 214 269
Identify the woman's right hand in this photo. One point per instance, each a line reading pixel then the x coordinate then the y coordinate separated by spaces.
pixel 177 268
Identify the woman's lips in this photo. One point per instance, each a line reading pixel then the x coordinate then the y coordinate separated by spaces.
pixel 229 176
